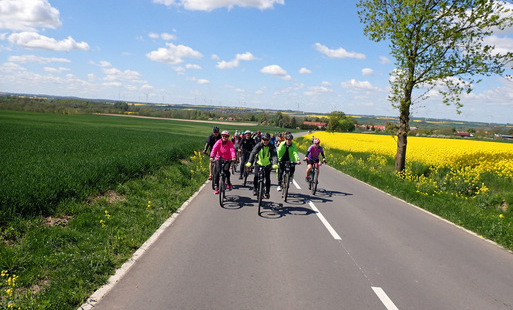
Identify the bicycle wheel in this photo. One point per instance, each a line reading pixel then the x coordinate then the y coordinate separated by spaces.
pixel 246 173
pixel 260 194
pixel 315 179
pixel 222 191
pixel 214 173
pixel 285 189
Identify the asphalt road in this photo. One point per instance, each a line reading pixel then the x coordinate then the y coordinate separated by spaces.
pixel 348 247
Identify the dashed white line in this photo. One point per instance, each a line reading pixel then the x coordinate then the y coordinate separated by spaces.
pixel 324 221
pixel 295 184
pixel 384 298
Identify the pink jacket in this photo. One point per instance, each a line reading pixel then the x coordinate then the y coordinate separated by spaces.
pixel 227 151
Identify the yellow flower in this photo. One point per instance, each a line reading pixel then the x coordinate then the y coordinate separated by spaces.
pixel 9 292
pixel 501 216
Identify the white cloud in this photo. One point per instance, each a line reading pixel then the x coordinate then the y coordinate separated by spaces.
pixel 199 81
pixel 193 66
pixel 317 90
pixel 56 70
pixel 173 54
pixel 367 71
pixel 209 5
pixel 36 59
pixel 359 85
pixel 502 44
pixel 28 15
pixel 167 36
pixel 277 71
pixel 10 67
pixel 338 53
pixel 384 60
pixel 147 87
pixel 304 71
pixel 113 74
pixel 247 56
pixel 33 40
pixel 326 84
pixel 164 36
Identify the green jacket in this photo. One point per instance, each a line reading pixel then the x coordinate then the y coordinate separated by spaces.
pixel 266 154
pixel 293 153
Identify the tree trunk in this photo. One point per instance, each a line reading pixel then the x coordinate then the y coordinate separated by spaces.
pixel 402 140
pixel 404 128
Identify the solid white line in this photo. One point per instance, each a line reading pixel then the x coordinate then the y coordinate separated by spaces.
pixel 384 298
pixel 324 221
pixel 295 184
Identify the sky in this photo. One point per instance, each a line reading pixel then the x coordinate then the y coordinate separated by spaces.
pixel 310 56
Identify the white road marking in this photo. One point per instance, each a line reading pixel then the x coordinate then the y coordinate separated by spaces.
pixel 384 298
pixel 324 221
pixel 295 184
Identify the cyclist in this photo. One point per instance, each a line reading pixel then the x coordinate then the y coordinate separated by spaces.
pixel 223 148
pixel 287 151
pixel 246 145
pixel 312 157
pixel 257 136
pixel 267 156
pixel 211 140
pixel 281 138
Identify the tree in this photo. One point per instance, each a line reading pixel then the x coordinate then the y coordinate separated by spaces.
pixel 437 45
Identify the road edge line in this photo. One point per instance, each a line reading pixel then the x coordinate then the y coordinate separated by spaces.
pixel 428 212
pixel 123 270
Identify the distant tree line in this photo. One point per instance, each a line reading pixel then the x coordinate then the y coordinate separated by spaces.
pixel 336 121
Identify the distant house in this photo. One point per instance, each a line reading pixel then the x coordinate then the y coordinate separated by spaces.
pixel 319 125
pixel 463 134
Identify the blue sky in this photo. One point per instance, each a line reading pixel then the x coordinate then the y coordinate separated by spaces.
pixel 272 54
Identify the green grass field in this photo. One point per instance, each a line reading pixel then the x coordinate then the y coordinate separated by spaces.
pixel 80 193
pixel 48 158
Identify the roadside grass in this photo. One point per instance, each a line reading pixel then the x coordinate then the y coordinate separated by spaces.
pixel 488 213
pixel 80 193
pixel 61 260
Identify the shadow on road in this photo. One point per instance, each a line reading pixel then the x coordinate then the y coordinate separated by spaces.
pixel 235 202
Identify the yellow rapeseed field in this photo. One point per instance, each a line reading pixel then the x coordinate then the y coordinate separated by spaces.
pixel 480 156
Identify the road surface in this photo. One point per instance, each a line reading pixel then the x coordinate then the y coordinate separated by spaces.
pixel 348 247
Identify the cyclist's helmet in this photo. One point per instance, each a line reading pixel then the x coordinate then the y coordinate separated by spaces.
pixel 317 141
pixel 289 136
pixel 248 132
pixel 266 136
pixel 215 129
pixel 258 132
pixel 225 133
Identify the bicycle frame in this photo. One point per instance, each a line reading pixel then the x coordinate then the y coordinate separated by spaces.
pixel 286 180
pixel 222 179
pixel 314 177
pixel 260 186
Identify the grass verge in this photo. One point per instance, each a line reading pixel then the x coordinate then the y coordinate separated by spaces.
pixel 57 262
pixel 488 214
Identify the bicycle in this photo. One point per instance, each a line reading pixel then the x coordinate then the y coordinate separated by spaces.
pixel 314 178
pixel 285 181
pixel 236 163
pixel 247 170
pixel 261 186
pixel 222 179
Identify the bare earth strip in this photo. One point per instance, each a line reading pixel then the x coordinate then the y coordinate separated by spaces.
pixel 183 120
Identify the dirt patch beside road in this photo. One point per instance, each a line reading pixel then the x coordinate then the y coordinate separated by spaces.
pixel 184 120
